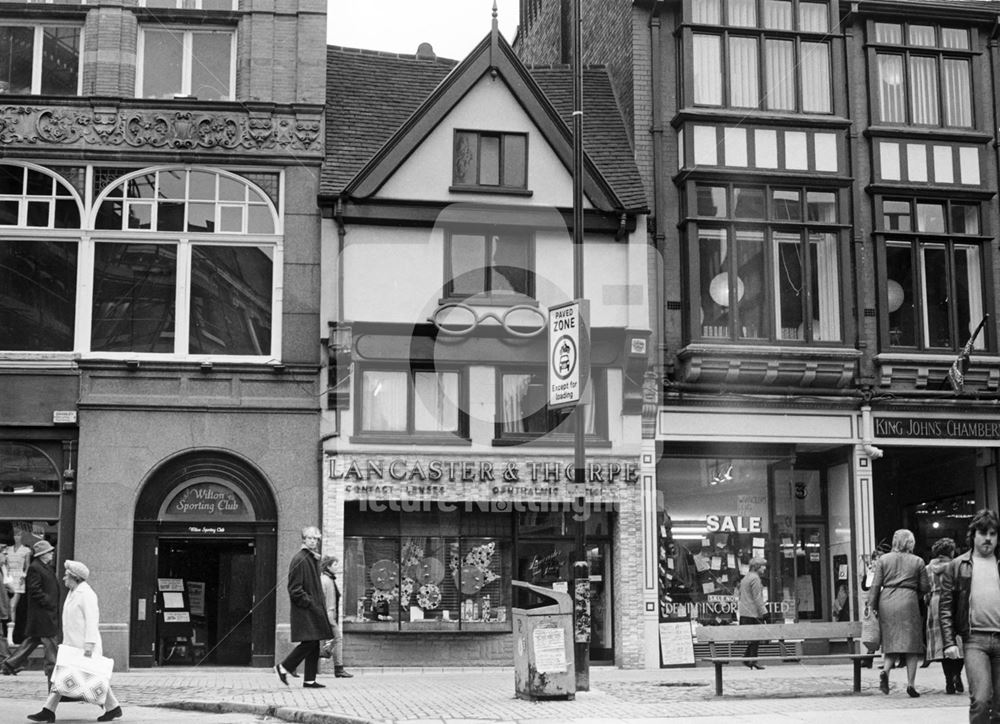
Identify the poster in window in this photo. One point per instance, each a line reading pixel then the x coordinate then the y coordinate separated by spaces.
pixel 196 597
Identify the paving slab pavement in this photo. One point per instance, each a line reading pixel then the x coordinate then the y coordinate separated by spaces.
pixel 784 693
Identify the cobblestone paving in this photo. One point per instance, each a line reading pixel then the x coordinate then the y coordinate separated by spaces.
pixel 488 694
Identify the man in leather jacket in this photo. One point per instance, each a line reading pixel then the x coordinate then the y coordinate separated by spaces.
pixel 970 609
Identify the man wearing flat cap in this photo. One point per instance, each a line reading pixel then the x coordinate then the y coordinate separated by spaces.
pixel 41 628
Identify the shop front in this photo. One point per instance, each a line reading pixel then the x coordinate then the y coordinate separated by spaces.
pixel 431 545
pixel 936 470
pixel 723 502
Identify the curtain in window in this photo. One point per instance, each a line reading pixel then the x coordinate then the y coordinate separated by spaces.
pixel 383 405
pixel 888 33
pixel 814 17
pixel 922 35
pixel 954 38
pixel 825 287
pixel 743 76
pixel 780 75
pixel 743 13
pixel 892 108
pixel 957 92
pixel 435 401
pixel 969 293
pixel 707 69
pixel 705 11
pixel 815 77
pixel 777 14
pixel 513 394
pixel 924 91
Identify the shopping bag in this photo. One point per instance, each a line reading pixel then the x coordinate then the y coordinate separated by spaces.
pixel 80 676
pixel 871 631
pixel 326 649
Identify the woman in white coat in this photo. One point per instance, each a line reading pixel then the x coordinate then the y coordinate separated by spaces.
pixel 80 619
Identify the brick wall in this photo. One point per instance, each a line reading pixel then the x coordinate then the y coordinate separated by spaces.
pixel 109 57
pixel 540 42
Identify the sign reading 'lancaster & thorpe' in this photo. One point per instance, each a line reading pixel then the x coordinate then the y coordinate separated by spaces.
pixel 940 428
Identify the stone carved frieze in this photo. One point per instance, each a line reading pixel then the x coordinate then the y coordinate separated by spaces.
pixel 141 128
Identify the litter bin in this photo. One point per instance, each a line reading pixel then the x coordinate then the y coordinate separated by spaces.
pixel 543 647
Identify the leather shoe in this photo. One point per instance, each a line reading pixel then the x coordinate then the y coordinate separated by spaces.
pixel 340 673
pixel 313 685
pixel 111 714
pixel 282 675
pixel 912 692
pixel 43 715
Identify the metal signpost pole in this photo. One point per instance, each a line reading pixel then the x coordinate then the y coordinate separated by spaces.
pixel 581 573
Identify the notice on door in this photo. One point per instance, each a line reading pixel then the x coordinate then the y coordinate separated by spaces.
pixel 550 649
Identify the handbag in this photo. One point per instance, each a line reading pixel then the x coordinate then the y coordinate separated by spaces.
pixel 80 676
pixel 871 631
pixel 326 649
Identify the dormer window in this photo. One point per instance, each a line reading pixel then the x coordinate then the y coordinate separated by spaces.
pixel 490 161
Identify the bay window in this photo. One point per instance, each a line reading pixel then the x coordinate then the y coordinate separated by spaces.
pixel 934 259
pixel 768 264
pixel 772 56
pixel 923 75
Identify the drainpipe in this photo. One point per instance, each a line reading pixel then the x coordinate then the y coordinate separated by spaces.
pixel 866 434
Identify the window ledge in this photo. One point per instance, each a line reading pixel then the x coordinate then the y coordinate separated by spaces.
pixel 494 190
pixel 373 438
pixel 982 358
pixel 561 440
pixel 510 299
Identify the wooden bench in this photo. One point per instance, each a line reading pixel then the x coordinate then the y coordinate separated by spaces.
pixel 789 637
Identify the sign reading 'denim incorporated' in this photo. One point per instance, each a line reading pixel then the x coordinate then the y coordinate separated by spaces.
pixel 569 352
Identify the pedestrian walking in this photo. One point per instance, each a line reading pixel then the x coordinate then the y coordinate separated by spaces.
pixel 752 609
pixel 308 612
pixel 970 615
pixel 942 551
pixel 898 586
pixel 80 619
pixel 41 626
pixel 331 595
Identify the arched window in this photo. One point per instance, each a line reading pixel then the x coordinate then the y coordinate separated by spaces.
pixel 186 263
pixel 26 469
pixel 38 259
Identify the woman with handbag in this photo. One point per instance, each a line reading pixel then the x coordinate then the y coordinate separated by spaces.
pixel 80 619
pixel 898 586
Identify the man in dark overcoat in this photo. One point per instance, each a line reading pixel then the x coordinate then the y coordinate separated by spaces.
pixel 41 627
pixel 308 614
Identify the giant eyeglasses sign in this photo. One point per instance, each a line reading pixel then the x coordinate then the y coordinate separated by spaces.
pixel 568 352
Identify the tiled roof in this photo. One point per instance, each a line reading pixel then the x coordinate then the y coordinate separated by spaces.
pixel 605 139
pixel 371 94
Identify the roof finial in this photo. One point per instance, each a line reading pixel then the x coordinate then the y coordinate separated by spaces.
pixel 494 14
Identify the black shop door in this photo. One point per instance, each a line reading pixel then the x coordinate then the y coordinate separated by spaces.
pixel 218 579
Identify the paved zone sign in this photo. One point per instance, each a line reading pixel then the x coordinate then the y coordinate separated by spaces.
pixel 569 352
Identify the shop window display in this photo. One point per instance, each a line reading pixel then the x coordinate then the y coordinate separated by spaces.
pixel 420 583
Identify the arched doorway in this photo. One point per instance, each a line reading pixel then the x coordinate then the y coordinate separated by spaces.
pixel 203 567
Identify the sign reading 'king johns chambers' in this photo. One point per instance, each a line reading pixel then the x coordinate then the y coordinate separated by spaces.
pixel 569 352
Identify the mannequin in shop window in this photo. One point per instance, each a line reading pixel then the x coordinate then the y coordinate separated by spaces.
pixel 18 558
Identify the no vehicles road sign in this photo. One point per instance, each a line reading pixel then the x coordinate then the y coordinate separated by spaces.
pixel 569 352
